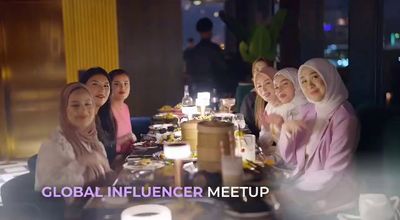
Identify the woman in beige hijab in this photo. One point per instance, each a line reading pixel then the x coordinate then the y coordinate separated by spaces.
pixel 73 156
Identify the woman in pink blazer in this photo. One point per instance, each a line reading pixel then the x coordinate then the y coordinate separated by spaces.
pixel 320 146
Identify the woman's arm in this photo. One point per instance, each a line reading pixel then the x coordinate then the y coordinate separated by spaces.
pixel 288 143
pixel 341 149
pixel 56 166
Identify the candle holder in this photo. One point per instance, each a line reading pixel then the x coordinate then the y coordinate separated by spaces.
pixel 177 151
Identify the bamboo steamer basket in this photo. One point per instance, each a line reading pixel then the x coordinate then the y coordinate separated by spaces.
pixel 211 134
pixel 189 133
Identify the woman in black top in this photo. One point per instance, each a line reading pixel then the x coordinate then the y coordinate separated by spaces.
pixel 98 82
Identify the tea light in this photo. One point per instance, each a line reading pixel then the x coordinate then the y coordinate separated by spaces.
pixel 177 152
pixel 147 212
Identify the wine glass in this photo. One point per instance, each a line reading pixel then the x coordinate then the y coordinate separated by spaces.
pixel 239 119
pixel 228 103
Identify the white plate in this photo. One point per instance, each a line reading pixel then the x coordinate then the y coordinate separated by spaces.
pixel 160 126
pixel 145 148
pixel 153 165
pixel 139 145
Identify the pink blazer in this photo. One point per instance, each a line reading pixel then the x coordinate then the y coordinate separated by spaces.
pixel 328 169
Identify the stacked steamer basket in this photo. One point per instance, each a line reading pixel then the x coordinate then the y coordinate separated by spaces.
pixel 189 133
pixel 212 136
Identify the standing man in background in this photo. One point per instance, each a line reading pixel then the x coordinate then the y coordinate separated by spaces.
pixel 205 64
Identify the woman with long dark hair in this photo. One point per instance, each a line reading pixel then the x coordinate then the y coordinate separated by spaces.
pixel 98 82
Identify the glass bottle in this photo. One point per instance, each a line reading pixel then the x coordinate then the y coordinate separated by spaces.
pixel 187 100
pixel 214 100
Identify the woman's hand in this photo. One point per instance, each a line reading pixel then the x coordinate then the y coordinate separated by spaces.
pixel 127 142
pixel 293 127
pixel 129 138
pixel 96 166
pixel 134 138
pixel 273 118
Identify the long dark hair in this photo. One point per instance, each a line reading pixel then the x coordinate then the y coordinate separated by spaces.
pixel 104 114
pixel 117 72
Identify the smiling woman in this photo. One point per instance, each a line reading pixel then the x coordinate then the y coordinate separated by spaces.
pixel 80 109
pixel 121 87
pixel 98 82
pixel 73 156
pixel 323 179
pixel 288 91
pixel 312 84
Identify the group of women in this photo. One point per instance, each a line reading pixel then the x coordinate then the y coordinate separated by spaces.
pixel 94 126
pixel 307 115
pixel 315 130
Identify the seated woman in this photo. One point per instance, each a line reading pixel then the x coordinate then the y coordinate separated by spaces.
pixel 321 145
pixel 73 156
pixel 98 82
pixel 253 105
pixel 120 91
pixel 288 91
pixel 265 89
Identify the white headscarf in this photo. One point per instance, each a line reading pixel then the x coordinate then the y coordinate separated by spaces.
pixel 336 92
pixel 291 109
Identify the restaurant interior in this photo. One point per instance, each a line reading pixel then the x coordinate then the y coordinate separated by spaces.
pixel 186 134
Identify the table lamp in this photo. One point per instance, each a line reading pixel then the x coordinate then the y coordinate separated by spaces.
pixel 203 100
pixel 177 151
pixel 189 111
pixel 147 212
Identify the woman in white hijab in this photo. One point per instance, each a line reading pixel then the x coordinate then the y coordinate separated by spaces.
pixel 322 151
pixel 288 91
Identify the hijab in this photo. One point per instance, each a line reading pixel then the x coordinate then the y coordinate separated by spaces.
pixel 291 108
pixel 335 95
pixel 336 92
pixel 84 142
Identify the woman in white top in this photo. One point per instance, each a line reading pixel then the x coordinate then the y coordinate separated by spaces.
pixel 73 156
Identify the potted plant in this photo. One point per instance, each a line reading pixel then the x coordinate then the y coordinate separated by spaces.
pixel 259 41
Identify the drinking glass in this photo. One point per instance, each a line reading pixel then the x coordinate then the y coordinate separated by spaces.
pixel 228 103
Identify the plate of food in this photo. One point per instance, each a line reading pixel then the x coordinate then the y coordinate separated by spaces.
pixel 160 156
pixel 168 108
pixel 149 144
pixel 144 163
pixel 161 127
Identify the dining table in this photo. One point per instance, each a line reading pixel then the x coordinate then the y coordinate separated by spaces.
pixel 162 175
